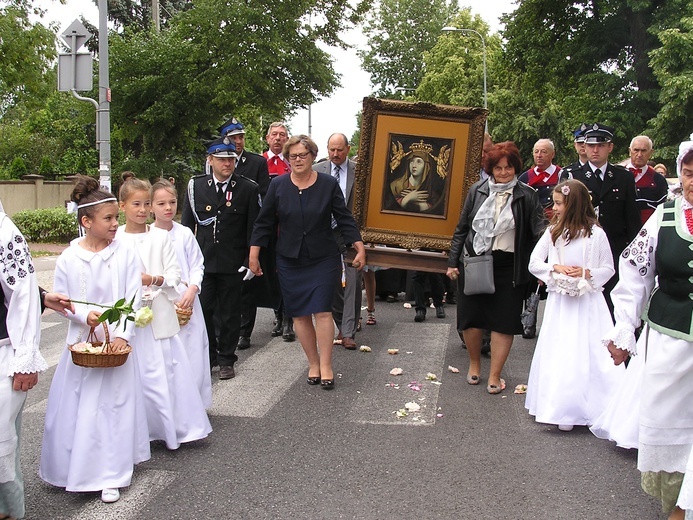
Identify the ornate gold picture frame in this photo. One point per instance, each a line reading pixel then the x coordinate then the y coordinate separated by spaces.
pixel 416 162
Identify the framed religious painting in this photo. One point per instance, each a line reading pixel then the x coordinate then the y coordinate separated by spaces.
pixel 416 162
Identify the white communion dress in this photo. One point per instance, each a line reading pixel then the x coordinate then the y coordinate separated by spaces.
pixel 175 412
pixel 96 427
pixel 572 374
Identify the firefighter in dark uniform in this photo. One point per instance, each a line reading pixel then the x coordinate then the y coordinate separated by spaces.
pixel 579 143
pixel 612 189
pixel 221 207
pixel 257 292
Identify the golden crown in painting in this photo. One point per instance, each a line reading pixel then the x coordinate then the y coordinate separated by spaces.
pixel 421 147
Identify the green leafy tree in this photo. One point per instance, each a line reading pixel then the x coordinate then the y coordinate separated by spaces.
pixel 592 57
pixel 399 32
pixel 176 87
pixel 26 52
pixel 672 66
pixel 454 66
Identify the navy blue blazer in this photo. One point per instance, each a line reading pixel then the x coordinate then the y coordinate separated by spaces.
pixel 304 217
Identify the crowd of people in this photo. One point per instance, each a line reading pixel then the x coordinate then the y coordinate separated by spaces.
pixel 272 231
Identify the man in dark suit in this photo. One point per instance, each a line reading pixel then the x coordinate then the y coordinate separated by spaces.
pixel 253 167
pixel 613 195
pixel 221 209
pixel 346 308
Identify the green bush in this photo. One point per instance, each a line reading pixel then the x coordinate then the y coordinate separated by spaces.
pixel 17 168
pixel 52 225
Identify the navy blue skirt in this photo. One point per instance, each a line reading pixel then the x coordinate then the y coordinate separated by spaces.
pixel 308 284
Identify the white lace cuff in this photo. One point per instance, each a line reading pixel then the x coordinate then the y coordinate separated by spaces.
pixel 622 338
pixel 28 361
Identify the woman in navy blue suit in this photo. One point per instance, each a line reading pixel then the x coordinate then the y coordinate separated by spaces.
pixel 304 205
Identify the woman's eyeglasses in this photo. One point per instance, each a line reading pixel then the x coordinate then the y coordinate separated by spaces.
pixel 293 156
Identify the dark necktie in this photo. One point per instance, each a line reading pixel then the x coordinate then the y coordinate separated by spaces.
pixel 336 175
pixel 598 176
pixel 220 192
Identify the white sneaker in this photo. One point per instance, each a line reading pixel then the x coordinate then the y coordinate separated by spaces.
pixel 565 427
pixel 110 495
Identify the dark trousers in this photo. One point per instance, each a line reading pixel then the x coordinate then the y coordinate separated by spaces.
pixel 221 296
pixel 435 284
pixel 248 311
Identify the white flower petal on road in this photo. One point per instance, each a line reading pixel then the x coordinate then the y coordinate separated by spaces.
pixel 407 305
pixel 365 348
pixel 412 407
pixel 521 389
pixel 393 351
pixel 401 412
pixel 453 369
pixel 396 372
pixel 431 376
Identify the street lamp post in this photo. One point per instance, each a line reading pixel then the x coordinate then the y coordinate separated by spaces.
pixel 483 46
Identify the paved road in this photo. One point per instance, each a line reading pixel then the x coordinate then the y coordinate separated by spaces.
pixel 281 449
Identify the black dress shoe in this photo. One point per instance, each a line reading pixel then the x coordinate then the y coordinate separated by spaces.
pixel 227 372
pixel 243 343
pixel 313 380
pixel 529 332
pixel 440 311
pixel 288 333
pixel 327 384
pixel 277 328
pixel 420 315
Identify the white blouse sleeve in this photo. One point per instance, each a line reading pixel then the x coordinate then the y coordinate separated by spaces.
pixel 636 270
pixel 601 263
pixel 538 260
pixel 196 262
pixel 171 269
pixel 18 280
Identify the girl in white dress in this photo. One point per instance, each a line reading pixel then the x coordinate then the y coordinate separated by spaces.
pixel 194 334
pixel 572 376
pixel 175 412
pixel 96 428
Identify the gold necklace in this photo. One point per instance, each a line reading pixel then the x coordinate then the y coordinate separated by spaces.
pixel 94 249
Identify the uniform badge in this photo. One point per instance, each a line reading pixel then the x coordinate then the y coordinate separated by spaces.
pixel 228 203
pixel 209 182
pixel 588 175
pixel 208 208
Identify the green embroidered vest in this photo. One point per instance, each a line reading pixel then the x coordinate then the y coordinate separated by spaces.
pixel 670 310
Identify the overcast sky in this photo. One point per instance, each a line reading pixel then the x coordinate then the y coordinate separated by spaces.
pixel 334 114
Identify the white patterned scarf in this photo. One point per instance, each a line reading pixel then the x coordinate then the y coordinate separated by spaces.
pixel 483 224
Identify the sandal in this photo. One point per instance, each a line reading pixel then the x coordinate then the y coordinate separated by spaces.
pixel 371 318
pixel 493 389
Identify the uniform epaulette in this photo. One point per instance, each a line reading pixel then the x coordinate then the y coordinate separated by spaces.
pixel 200 175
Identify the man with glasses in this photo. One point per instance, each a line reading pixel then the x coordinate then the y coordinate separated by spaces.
pixel 221 208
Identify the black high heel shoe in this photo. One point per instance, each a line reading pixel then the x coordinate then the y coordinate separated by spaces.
pixel 313 380
pixel 327 384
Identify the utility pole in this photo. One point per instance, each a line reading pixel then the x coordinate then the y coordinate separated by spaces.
pixel 104 114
